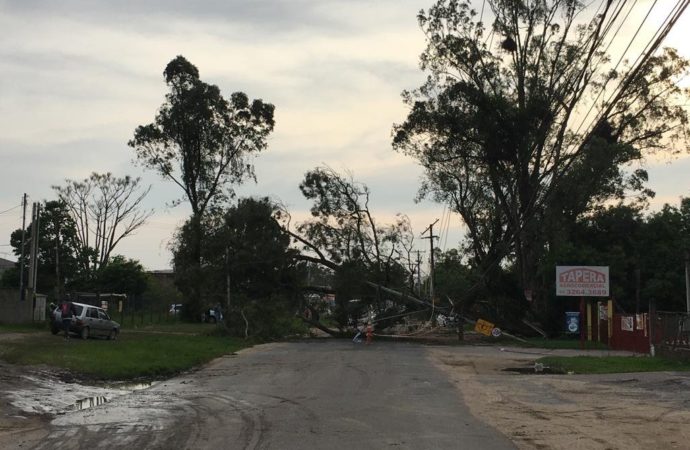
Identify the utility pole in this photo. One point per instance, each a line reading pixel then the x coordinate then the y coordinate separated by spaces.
pixel 33 253
pixel 431 238
pixel 57 261
pixel 227 281
pixel 21 263
pixel 419 274
pixel 687 279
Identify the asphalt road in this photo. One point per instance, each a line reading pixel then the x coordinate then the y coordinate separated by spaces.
pixel 306 395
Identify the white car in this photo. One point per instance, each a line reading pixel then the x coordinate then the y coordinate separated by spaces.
pixel 88 321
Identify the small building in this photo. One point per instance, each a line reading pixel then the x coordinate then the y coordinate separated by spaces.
pixel 5 264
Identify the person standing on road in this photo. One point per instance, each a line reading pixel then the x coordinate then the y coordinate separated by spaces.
pixel 67 311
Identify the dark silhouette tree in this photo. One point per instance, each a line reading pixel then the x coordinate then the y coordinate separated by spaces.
pixel 502 129
pixel 203 143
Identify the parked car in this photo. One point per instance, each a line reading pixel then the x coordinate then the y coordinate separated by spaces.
pixel 88 321
pixel 175 309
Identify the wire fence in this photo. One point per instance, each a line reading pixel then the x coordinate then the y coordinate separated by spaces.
pixel 671 334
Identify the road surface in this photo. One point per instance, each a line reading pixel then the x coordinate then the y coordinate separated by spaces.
pixel 304 395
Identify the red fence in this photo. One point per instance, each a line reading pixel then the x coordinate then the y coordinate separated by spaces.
pixel 630 332
pixel 669 331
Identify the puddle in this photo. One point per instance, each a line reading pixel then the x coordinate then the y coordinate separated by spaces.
pixel 89 402
pixel 48 395
pixel 97 400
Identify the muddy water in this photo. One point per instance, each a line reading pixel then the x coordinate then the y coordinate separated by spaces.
pixel 124 388
pixel 52 396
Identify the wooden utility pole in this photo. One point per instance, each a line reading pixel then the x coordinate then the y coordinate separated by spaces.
pixel 431 238
pixel 57 261
pixel 227 281
pixel 687 279
pixel 33 253
pixel 419 274
pixel 22 293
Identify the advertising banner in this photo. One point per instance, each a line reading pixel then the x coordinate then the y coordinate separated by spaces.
pixel 627 323
pixel 582 281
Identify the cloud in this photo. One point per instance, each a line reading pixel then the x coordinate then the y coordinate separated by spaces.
pixel 77 77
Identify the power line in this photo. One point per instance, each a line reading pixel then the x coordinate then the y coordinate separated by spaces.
pixel 622 56
pixel 10 209
pixel 642 58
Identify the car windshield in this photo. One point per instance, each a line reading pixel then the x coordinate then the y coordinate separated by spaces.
pixel 103 315
pixel 78 309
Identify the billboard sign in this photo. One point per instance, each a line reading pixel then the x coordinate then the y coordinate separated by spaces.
pixel 582 281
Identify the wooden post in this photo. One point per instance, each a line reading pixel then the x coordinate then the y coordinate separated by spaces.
pixel 598 313
pixel 582 328
pixel 589 321
pixel 609 313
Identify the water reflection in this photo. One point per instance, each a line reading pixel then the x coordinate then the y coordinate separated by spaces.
pixel 89 402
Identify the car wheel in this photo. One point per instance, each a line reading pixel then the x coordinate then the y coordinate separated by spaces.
pixel 113 334
pixel 84 333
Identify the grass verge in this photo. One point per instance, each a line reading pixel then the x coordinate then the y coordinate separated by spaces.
pixel 613 364
pixel 143 354
pixel 573 344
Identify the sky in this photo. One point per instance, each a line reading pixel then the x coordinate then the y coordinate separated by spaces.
pixel 78 76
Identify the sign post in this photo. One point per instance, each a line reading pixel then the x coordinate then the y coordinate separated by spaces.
pixel 583 281
pixel 582 328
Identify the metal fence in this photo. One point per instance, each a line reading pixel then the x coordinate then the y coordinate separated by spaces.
pixel 671 334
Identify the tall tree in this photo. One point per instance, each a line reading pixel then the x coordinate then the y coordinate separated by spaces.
pixel 104 210
pixel 343 227
pixel 501 124
pixel 251 269
pixel 202 142
pixel 58 251
pixel 344 236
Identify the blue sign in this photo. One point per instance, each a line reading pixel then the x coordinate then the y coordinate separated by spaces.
pixel 572 322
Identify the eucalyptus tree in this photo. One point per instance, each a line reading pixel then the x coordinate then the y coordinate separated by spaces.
pixel 527 122
pixel 203 143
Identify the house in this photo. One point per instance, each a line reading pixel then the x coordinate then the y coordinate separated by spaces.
pixel 5 264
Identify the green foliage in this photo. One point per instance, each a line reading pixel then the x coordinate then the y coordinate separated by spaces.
pixel 268 318
pixel 133 355
pixel 161 292
pixel 122 276
pixel 650 247
pixel 58 246
pixel 455 280
pixel 202 142
pixel 347 239
pixel 498 128
pixel 245 246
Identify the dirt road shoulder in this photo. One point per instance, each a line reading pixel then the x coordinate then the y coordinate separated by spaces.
pixel 616 411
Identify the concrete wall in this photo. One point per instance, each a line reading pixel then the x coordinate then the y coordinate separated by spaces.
pixel 12 310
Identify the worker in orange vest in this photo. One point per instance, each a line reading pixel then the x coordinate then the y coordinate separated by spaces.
pixel 370 333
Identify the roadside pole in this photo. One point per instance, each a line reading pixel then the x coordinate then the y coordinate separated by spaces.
pixel 589 321
pixel 22 292
pixel 33 256
pixel 431 270
pixel 582 319
pixel 687 280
